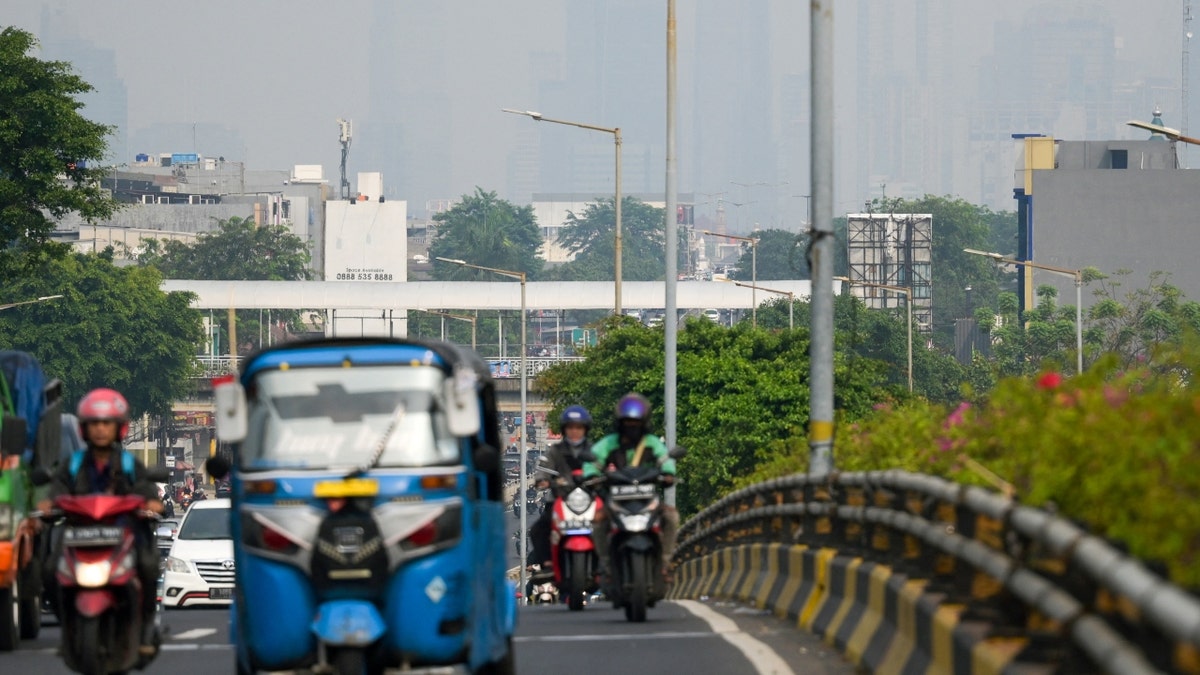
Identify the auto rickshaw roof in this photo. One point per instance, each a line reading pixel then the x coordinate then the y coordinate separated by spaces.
pixel 362 351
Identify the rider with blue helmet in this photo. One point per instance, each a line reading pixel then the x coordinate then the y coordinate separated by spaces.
pixel 563 458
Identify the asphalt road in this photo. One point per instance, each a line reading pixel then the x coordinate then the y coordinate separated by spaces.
pixel 677 637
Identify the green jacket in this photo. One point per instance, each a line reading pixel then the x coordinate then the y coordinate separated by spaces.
pixel 610 444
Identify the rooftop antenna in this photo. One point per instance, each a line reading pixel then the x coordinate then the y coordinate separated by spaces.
pixel 345 132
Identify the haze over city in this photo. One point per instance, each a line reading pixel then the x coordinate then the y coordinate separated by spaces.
pixel 927 95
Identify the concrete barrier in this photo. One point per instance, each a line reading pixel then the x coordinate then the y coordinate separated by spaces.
pixel 880 620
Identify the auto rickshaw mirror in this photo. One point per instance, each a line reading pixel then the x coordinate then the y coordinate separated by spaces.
pixel 229 399
pixel 462 403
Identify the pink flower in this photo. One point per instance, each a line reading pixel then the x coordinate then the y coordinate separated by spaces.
pixel 958 416
pixel 1049 380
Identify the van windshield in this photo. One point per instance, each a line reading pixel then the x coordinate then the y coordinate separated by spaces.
pixel 335 418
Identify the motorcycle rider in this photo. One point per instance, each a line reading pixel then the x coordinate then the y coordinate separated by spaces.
pixel 101 468
pixel 563 458
pixel 631 440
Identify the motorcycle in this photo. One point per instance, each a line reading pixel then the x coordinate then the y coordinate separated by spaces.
pixel 542 590
pixel 572 550
pixel 635 514
pixel 97 575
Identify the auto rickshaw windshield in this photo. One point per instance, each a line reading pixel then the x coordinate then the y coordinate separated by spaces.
pixel 333 418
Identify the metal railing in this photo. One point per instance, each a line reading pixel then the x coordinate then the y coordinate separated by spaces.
pixel 1021 566
pixel 212 366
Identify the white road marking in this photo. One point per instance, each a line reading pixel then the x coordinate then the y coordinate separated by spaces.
pixel 763 658
pixel 627 636
pixel 194 634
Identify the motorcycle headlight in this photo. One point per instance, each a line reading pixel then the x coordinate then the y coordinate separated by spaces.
pixel 578 500
pixel 92 575
pixel 6 525
pixel 176 565
pixel 636 522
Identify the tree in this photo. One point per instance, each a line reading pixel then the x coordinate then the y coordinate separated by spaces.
pixel 781 255
pixel 739 390
pixel 237 250
pixel 485 230
pixel 48 152
pixel 591 237
pixel 114 327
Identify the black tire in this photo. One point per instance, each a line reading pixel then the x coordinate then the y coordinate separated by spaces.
pixel 239 668
pixel 578 581
pixel 349 661
pixel 8 619
pixel 635 603
pixel 29 602
pixel 505 665
pixel 90 654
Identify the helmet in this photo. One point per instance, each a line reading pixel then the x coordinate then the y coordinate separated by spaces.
pixel 104 404
pixel 633 407
pixel 575 414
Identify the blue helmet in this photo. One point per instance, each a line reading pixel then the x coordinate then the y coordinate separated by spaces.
pixel 575 414
pixel 633 407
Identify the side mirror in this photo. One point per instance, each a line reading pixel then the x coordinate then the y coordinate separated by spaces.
pixel 158 474
pixel 39 476
pixel 487 458
pixel 229 401
pixel 677 452
pixel 462 403
pixel 12 435
pixel 217 466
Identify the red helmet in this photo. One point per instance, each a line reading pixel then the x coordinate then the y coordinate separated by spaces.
pixel 104 404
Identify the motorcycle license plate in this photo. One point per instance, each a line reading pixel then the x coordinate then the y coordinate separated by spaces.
pixel 93 535
pixel 220 594
pixel 632 490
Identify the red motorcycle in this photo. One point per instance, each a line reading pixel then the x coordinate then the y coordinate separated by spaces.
pixel 97 576
pixel 571 548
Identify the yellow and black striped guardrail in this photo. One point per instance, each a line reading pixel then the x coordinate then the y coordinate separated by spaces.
pixel 908 573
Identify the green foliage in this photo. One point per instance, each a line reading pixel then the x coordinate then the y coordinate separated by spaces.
pixel 591 237
pixel 44 145
pixel 485 230
pixel 1114 449
pixel 114 327
pixel 237 250
pixel 781 255
pixel 738 391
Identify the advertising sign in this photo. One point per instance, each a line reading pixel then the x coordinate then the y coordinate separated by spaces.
pixel 366 241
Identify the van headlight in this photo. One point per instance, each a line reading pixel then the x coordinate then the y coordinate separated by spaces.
pixel 178 566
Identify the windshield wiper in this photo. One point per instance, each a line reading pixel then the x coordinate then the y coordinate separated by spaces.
pixel 397 416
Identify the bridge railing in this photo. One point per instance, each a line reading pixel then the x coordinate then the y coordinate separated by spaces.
pixel 212 366
pixel 1028 570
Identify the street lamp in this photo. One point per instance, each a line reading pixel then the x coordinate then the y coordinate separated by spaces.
pixel 29 302
pixel 1077 275
pixel 790 295
pixel 524 553
pixel 753 270
pixel 616 132
pixel 908 305
pixel 460 317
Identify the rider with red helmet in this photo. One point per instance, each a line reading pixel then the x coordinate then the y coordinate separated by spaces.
pixel 104 467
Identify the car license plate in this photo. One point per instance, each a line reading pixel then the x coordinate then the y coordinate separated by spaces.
pixel 350 487
pixel 220 594
pixel 93 535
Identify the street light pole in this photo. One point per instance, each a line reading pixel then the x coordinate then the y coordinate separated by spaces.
pixel 616 132
pixel 753 271
pixel 908 306
pixel 1077 275
pixel 524 539
pixel 790 295
pixel 29 302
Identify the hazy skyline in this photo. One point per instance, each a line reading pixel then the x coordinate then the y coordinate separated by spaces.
pixel 926 92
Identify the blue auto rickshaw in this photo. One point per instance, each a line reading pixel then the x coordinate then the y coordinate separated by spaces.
pixel 367 508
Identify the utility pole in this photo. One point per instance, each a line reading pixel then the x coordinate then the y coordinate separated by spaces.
pixel 671 232
pixel 820 423
pixel 345 132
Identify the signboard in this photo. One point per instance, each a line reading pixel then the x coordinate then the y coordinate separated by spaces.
pixel 184 158
pixel 366 241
